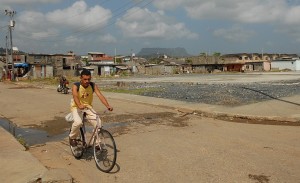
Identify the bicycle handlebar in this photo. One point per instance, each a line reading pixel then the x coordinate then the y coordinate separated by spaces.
pixel 90 109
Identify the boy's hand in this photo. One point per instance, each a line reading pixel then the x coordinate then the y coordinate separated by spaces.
pixel 110 108
pixel 81 106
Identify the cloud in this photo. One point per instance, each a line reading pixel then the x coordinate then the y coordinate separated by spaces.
pixel 79 15
pixel 34 25
pixel 282 15
pixel 76 19
pixel 107 38
pixel 243 11
pixel 77 26
pixel 11 4
pixel 28 1
pixel 142 23
pixel 234 34
pixel 292 16
pixel 72 40
pixel 169 4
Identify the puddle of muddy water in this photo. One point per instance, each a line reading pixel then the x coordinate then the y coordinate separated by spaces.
pixel 30 135
pixel 45 133
pixel 58 129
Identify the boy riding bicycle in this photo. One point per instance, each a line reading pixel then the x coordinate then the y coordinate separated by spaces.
pixel 83 98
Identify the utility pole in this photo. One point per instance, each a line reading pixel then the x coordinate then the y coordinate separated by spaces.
pixel 115 61
pixel 10 27
pixel 6 58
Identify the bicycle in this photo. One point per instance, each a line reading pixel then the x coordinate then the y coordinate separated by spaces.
pixel 104 146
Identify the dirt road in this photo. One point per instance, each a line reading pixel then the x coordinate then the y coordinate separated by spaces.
pixel 160 144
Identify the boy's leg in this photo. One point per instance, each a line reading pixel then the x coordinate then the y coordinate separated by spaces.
pixel 76 125
pixel 91 116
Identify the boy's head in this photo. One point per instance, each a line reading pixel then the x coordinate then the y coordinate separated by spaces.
pixel 85 72
pixel 85 77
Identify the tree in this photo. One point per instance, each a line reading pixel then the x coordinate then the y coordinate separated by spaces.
pixel 217 54
pixel 188 61
pixel 118 60
pixel 85 60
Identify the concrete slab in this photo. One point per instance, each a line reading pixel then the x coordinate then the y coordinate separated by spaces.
pixel 17 165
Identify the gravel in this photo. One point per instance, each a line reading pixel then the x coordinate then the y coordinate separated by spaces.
pixel 220 94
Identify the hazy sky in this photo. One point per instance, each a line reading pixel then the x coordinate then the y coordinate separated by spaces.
pixel 226 26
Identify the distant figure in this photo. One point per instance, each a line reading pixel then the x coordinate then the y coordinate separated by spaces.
pixel 2 74
pixel 62 81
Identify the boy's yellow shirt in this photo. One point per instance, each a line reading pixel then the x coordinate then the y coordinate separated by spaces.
pixel 85 97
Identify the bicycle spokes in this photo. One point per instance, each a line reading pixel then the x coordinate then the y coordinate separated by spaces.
pixel 79 147
pixel 105 152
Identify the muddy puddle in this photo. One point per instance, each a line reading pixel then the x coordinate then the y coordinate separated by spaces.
pixel 32 136
pixel 58 129
pixel 48 132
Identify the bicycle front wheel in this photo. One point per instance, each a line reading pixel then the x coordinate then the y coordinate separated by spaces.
pixel 105 151
pixel 77 150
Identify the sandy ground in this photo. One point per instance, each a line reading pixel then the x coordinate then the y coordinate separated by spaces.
pixel 159 144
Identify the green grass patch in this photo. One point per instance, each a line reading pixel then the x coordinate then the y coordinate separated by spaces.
pixel 49 81
pixel 22 141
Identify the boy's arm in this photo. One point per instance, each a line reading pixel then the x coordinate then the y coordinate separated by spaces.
pixel 76 97
pixel 102 98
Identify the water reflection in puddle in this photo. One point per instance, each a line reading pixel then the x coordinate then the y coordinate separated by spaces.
pixel 30 135
pixel 34 136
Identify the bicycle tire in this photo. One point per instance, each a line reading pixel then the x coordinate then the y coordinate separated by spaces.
pixel 77 150
pixel 105 152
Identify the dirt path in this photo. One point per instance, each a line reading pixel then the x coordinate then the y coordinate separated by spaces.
pixel 158 144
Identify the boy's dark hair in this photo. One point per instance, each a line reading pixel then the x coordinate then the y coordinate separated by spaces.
pixel 85 72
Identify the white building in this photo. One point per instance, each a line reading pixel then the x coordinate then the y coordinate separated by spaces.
pixel 292 64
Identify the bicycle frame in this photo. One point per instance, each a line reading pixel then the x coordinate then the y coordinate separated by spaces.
pixel 98 127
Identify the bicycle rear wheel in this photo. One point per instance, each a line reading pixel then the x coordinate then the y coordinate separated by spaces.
pixel 105 151
pixel 77 150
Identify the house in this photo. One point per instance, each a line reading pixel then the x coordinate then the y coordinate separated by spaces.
pixel 154 69
pixel 103 64
pixel 48 65
pixel 40 65
pixel 167 66
pixel 258 62
pixel 286 63
pixel 206 64
pixel 253 61
pixel 237 62
pixel 58 64
pixel 19 60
